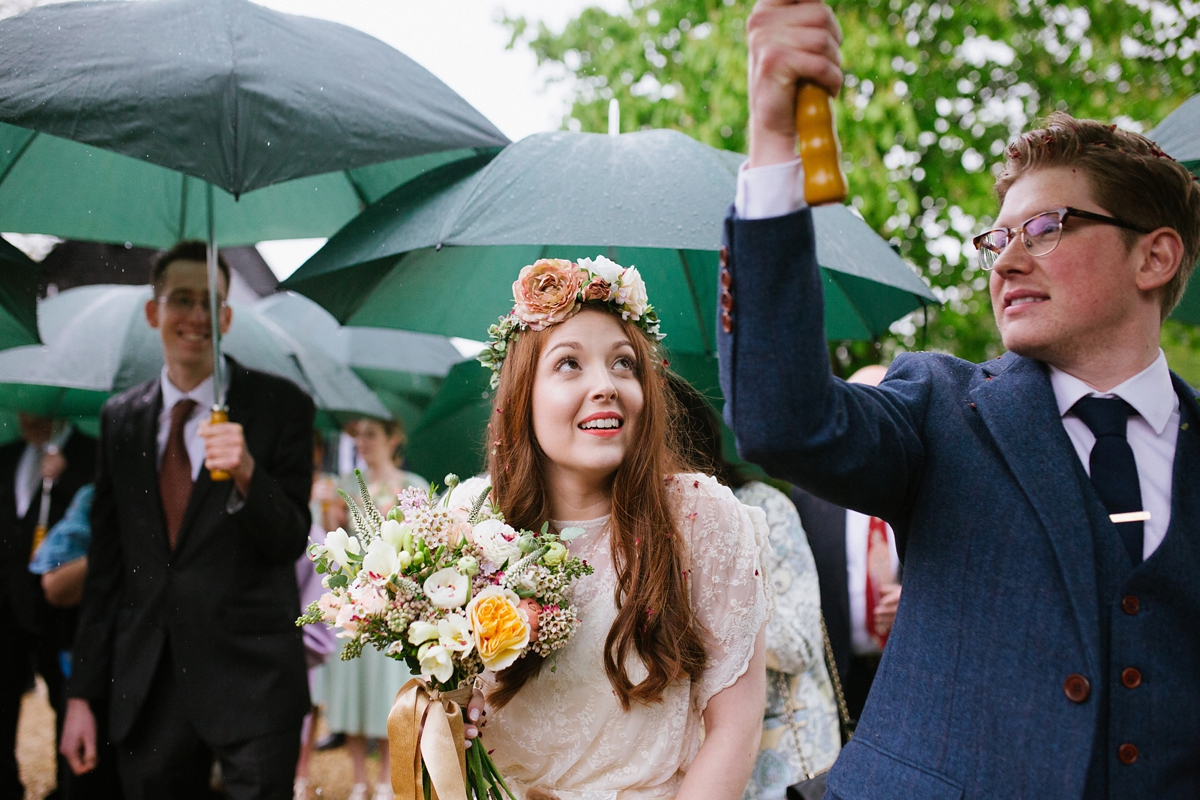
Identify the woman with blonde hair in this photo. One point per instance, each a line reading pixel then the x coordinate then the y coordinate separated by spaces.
pixel 670 643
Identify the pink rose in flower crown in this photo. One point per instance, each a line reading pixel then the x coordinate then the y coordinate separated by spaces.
pixel 598 290
pixel 546 292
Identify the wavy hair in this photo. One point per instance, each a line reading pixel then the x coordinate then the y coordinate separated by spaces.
pixel 654 618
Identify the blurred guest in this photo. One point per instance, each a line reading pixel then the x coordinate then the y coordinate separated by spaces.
pixel 319 640
pixel 359 693
pixel 800 727
pixel 860 579
pixel 188 617
pixel 38 477
pixel 61 561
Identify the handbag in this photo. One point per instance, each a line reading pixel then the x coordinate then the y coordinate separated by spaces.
pixel 813 785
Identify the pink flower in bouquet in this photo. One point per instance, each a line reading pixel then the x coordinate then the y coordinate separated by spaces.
pixel 457 533
pixel 330 604
pixel 546 292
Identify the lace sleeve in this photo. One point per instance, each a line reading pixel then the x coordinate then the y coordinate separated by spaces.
pixel 730 589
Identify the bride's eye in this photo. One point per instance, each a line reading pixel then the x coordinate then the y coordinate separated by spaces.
pixel 566 363
pixel 625 363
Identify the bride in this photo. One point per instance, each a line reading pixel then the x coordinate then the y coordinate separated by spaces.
pixel 670 649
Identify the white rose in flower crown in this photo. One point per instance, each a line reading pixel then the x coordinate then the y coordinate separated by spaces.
pixel 340 544
pixel 632 294
pixel 454 633
pixel 609 271
pixel 497 540
pixel 447 588
pixel 421 631
pixel 436 661
pixel 381 560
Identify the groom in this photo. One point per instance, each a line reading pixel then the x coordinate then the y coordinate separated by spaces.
pixel 187 626
pixel 1044 502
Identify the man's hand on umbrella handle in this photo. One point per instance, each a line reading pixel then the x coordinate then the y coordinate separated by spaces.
pixel 54 463
pixel 225 449
pixel 789 41
pixel 78 743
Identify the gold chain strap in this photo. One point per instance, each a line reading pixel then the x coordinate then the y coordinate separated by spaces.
pixel 831 666
pixel 789 707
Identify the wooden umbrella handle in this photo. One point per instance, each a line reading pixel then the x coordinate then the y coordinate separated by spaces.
pixel 219 414
pixel 820 152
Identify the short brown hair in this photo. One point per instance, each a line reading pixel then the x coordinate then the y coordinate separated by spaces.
pixel 188 250
pixel 1129 175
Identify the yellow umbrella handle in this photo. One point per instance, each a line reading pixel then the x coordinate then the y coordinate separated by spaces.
pixel 219 414
pixel 819 149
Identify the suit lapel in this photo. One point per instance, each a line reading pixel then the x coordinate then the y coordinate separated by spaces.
pixel 205 490
pixel 1020 411
pixel 1185 500
pixel 144 420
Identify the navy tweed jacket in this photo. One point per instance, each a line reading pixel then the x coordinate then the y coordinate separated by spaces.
pixel 1002 675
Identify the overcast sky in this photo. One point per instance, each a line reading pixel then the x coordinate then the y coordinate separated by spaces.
pixel 462 43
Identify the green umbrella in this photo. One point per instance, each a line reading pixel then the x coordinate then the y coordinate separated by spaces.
pixel 18 298
pixel 404 369
pixel 98 343
pixel 439 254
pixel 223 95
pixel 1179 136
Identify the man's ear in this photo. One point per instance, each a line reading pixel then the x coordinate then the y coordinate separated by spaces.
pixel 152 312
pixel 225 318
pixel 1162 254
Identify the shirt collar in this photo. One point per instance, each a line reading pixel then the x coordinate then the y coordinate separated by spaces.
pixel 202 394
pixel 1149 392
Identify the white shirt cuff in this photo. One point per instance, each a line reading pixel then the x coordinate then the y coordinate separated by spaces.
pixel 771 191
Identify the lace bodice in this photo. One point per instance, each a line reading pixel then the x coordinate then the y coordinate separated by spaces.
pixel 565 730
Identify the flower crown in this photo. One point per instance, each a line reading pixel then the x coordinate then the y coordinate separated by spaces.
pixel 552 290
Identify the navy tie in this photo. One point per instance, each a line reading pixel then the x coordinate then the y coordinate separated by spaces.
pixel 1114 471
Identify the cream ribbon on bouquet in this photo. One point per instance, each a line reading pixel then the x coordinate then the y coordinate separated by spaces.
pixel 426 724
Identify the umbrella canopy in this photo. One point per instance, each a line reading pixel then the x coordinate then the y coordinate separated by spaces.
pixel 227 91
pixel 98 343
pixel 1179 137
pixel 439 254
pixel 18 297
pixel 404 369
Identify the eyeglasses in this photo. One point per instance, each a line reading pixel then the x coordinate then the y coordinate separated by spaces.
pixel 182 302
pixel 1040 233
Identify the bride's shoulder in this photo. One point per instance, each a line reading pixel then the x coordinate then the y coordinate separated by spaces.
pixel 704 505
pixel 698 487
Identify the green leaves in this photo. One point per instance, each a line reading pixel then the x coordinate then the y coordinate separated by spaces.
pixel 933 93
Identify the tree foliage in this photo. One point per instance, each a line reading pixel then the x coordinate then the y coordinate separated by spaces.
pixel 934 91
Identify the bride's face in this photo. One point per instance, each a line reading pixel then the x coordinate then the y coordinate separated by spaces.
pixel 586 396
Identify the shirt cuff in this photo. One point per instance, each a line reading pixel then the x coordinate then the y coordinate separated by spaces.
pixel 771 191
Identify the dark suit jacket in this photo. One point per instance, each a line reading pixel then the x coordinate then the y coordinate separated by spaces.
pixel 1007 590
pixel 22 592
pixel 825 526
pixel 225 600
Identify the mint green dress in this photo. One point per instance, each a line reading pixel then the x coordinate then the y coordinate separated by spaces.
pixel 358 694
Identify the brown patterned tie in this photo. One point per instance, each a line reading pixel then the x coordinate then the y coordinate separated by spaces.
pixel 175 474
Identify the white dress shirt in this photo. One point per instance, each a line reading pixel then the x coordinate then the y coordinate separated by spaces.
pixel 203 395
pixel 1151 434
pixel 857 527
pixel 776 190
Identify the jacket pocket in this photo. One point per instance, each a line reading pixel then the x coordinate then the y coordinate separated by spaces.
pixel 865 772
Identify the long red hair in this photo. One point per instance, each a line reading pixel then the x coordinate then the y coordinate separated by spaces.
pixel 654 613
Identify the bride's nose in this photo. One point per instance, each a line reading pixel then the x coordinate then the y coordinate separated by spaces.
pixel 603 388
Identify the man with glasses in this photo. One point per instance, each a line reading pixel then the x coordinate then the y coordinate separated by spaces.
pixel 1048 645
pixel 187 624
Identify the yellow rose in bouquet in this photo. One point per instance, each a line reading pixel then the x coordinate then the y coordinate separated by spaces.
pixel 500 629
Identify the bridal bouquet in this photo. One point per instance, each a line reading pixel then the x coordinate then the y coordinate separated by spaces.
pixel 451 591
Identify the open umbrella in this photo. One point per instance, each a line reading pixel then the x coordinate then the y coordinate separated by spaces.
pixel 404 369
pixel 97 343
pixel 18 297
pixel 438 254
pixel 201 97
pixel 1179 136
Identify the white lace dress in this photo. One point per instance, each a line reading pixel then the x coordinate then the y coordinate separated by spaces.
pixel 566 732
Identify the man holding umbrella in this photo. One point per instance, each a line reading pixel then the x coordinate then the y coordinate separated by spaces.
pixel 187 622
pixel 1043 502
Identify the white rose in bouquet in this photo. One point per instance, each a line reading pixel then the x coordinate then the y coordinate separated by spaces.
pixel 463 496
pixel 447 588
pixel 382 560
pixel 436 661
pixel 340 544
pixel 497 540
